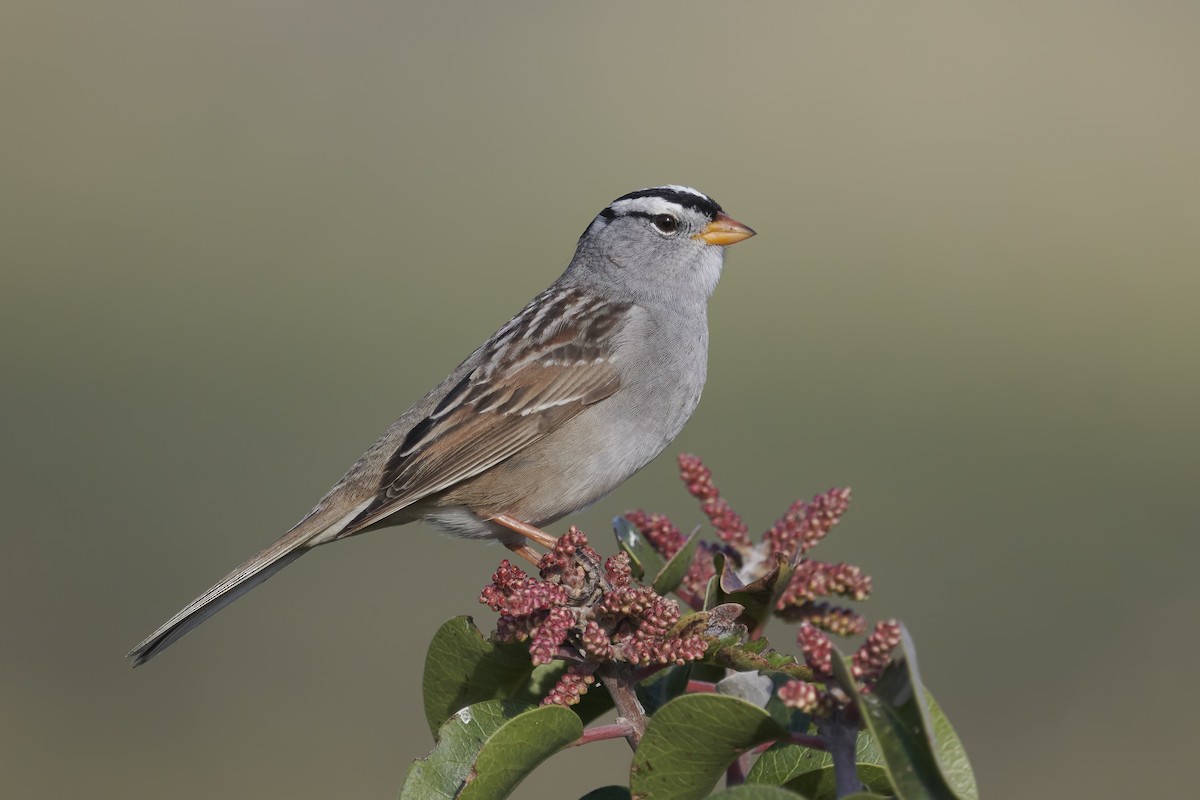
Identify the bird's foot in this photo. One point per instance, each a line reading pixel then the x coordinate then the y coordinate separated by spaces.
pixel 525 551
pixel 536 535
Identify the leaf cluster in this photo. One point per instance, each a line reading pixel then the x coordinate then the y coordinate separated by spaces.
pixel 481 703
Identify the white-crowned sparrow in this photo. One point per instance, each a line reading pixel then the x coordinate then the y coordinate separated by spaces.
pixel 580 390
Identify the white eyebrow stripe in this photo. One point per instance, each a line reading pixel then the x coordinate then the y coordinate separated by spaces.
pixel 647 205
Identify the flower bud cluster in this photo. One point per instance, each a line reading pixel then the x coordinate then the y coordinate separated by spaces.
pixel 729 524
pixel 596 642
pixel 617 570
pixel 817 650
pixel 647 641
pixel 666 539
pixel 658 529
pixel 514 594
pixel 548 635
pixel 869 661
pixel 804 696
pixel 813 579
pixel 694 585
pixel 834 619
pixel 584 615
pixel 805 524
pixel 866 665
pixel 571 686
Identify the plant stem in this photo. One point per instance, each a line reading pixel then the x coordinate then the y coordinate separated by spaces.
pixel 599 733
pixel 811 742
pixel 841 741
pixel 617 680
pixel 736 774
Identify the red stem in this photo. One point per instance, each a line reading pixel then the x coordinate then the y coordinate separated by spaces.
pixel 598 733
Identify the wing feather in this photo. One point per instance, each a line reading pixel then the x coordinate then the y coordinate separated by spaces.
pixel 525 388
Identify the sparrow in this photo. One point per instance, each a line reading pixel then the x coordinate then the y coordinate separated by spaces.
pixel 573 395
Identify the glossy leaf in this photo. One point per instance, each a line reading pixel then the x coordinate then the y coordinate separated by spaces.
pixel 951 754
pixel 486 749
pixel 673 572
pixel 783 762
pixel 608 793
pixel 462 668
pixel 712 594
pixel 810 771
pixel 690 742
pixel 760 595
pixel 897 717
pixel 663 687
pixel 644 559
pixel 756 793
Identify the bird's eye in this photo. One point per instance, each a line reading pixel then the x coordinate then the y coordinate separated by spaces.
pixel 666 223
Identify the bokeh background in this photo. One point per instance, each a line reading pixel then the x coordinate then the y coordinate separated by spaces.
pixel 239 238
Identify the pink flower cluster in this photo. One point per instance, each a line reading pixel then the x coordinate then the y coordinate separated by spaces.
pixel 869 661
pixel 667 540
pixel 803 525
pixel 866 665
pixel 698 478
pixel 585 616
pixel 817 650
pixel 813 579
pixel 807 523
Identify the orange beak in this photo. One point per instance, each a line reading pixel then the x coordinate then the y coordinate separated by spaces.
pixel 724 230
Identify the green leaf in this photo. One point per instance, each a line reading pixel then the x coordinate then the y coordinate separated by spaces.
pixel 760 595
pixel 896 716
pixel 783 762
pixel 756 654
pixel 690 742
pixel 712 594
pixel 951 754
pixel 810 772
pixel 486 749
pixel 673 572
pixel 644 559
pixel 662 687
pixel 462 668
pixel 607 793
pixel 756 793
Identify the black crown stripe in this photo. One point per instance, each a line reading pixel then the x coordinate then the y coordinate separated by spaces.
pixel 696 202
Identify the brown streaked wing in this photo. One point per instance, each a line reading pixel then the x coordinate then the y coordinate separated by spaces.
pixel 532 389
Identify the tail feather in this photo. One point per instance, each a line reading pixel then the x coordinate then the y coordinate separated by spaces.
pixel 295 543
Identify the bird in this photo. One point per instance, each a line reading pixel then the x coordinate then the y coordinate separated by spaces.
pixel 582 388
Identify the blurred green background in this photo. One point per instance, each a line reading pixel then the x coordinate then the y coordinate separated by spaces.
pixel 239 238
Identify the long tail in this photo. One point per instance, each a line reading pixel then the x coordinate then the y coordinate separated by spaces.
pixel 295 543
